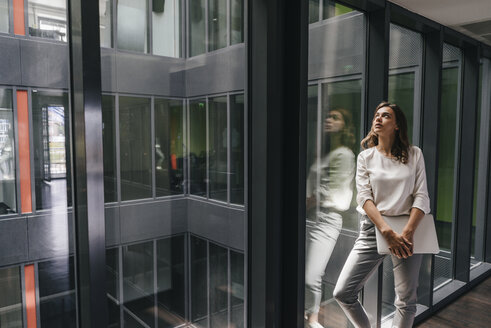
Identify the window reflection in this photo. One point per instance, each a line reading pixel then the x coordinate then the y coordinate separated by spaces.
pixel 10 298
pixel 166 27
pixel 8 202
pixel 47 19
pixel 197 30
pixel 218 139
pixel 51 146
pixel 4 16
pixel 105 23
pixel 217 24
pixel 237 149
pixel 132 25
pixel 236 21
pixel 197 147
pixel 109 148
pixel 135 148
pixel 168 147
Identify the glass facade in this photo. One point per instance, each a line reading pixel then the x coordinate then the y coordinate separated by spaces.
pixel 176 152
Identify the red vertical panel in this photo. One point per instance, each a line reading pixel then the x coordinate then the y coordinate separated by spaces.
pixel 30 284
pixel 19 22
pixel 24 152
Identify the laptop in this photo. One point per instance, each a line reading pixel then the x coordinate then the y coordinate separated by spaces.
pixel 425 240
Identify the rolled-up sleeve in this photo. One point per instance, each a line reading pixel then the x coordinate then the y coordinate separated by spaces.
pixel 363 186
pixel 420 193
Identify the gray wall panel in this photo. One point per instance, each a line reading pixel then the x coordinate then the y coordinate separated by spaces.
pixel 50 235
pixel 152 220
pixel 332 49
pixel 108 70
pixel 216 223
pixel 150 75
pixel 113 233
pixel 217 72
pixel 10 62
pixel 13 241
pixel 44 64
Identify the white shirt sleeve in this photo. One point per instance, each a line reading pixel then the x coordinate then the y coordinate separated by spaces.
pixel 420 193
pixel 363 185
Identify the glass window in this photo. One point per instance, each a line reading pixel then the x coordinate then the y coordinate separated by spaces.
pixel 237 289
pixel 447 146
pixel 4 16
pixel 48 19
pixel 313 11
pixel 105 23
pixel 166 27
pixel 135 148
pixel 236 21
pixel 10 298
pixel 109 147
pixel 218 286
pixel 57 304
pixel 168 147
pixel 332 9
pixel 218 138
pixel 217 24
pixel 171 281
pixel 132 25
pixel 199 282
pixel 138 283
pixel 51 146
pixel 197 27
pixel 197 147
pixel 237 136
pixel 112 286
pixel 8 202
pixel 334 125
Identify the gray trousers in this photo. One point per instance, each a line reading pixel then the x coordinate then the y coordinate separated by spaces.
pixel 321 239
pixel 361 263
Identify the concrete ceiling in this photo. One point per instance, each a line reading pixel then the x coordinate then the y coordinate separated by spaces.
pixel 471 17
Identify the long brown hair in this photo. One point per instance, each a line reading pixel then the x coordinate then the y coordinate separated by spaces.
pixel 400 148
pixel 348 131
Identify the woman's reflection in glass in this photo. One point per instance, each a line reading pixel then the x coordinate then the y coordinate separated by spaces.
pixel 329 193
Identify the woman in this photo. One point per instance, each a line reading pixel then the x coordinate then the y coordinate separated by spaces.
pixel 329 192
pixel 391 181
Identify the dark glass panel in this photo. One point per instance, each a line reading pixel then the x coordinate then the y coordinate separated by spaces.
pixel 237 289
pixel 401 92
pixel 197 30
pixel 313 11
pixel 219 289
pixel 199 279
pixel 197 147
pixel 8 199
pixel 51 145
pixel 236 21
pixel 237 135
pixel 217 24
pixel 135 148
pixel 109 148
pixel 132 23
pixel 10 298
pixel 168 147
pixel 218 170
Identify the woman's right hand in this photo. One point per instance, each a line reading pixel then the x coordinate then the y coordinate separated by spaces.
pixel 399 245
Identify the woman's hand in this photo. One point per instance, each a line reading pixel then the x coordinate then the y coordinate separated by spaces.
pixel 399 244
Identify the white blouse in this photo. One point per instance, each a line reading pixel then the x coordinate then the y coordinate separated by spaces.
pixel 394 187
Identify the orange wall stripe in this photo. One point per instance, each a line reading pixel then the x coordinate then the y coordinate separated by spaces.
pixel 24 152
pixel 19 23
pixel 30 284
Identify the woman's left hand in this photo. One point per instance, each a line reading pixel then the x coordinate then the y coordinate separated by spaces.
pixel 408 235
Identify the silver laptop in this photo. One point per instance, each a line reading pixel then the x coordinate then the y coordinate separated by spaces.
pixel 425 240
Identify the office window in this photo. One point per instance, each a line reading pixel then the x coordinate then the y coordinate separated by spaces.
pixel 218 286
pixel 135 148
pixel 217 24
pixel 168 147
pixel 109 148
pixel 4 16
pixel 199 281
pixel 236 21
pixel 197 27
pixel 405 62
pixel 313 11
pixel 237 135
pixel 10 298
pixel 166 27
pixel 132 25
pixel 105 23
pixel 51 149
pixel 197 147
pixel 447 148
pixel 332 9
pixel 171 281
pixel 57 300
pixel 237 289
pixel 112 286
pixel 218 139
pixel 138 284
pixel 48 19
pixel 8 200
